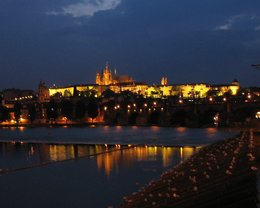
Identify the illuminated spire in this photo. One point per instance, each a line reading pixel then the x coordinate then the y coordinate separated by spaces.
pixel 107 66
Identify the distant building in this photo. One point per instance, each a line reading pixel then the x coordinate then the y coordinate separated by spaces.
pixel 226 88
pixel 107 77
pixel 43 93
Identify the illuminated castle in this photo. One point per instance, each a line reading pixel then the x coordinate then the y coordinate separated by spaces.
pixel 106 77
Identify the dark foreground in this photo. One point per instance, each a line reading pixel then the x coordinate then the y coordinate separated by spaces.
pixel 219 175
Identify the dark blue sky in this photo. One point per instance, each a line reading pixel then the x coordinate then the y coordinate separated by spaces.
pixel 68 41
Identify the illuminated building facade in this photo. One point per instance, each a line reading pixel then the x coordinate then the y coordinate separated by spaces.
pixel 118 83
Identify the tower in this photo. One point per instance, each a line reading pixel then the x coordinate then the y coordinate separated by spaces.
pixel 98 79
pixel 164 81
pixel 43 93
pixel 107 76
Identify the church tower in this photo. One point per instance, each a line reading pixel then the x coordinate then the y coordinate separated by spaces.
pixel 43 93
pixel 98 79
pixel 164 81
pixel 107 76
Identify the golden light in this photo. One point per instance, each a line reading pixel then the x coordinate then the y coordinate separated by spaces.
pixel 180 101
pixel 181 129
pixel 134 105
pixel 257 115
pixel 105 108
pixel 224 99
pixel 154 103
pixel 210 99
pixel 128 106
pixel 145 105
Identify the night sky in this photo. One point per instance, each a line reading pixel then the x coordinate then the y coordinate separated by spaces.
pixel 68 41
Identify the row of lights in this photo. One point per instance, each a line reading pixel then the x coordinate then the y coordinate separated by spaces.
pixel 22 98
pixel 116 107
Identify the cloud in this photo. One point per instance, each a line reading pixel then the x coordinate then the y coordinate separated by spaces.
pixel 86 8
pixel 243 21
pixel 257 27
pixel 229 23
pixel 226 26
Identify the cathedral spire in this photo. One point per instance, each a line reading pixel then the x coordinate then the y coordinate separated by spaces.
pixel 106 68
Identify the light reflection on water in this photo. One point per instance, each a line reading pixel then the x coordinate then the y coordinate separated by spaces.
pixel 15 155
pixel 110 161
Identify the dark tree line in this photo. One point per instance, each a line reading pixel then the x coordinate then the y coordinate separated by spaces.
pixel 72 110
pixel 4 114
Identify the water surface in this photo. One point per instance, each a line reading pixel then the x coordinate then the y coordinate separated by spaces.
pixel 86 167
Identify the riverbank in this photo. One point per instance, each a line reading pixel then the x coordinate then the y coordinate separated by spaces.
pixel 219 175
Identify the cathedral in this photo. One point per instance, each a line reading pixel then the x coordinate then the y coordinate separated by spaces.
pixel 107 77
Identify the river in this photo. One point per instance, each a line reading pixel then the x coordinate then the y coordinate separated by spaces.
pixel 90 167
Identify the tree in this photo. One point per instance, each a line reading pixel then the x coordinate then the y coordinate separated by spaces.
pixel 80 110
pixel 206 118
pixel 17 111
pixel 132 118
pixel 67 93
pixel 108 93
pixel 52 110
pixel 31 112
pixel 4 114
pixel 212 93
pixel 179 117
pixel 67 109
pixel 154 118
pixel 92 109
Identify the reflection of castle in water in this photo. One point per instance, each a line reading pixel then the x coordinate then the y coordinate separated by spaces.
pixel 108 157
pixel 167 155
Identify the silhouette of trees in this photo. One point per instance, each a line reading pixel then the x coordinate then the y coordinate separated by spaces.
pixel 92 109
pixel 179 117
pixel 67 93
pixel 132 118
pixel 154 118
pixel 4 113
pixel 31 112
pixel 206 118
pixel 52 110
pixel 17 111
pixel 67 109
pixel 108 93
pixel 80 110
